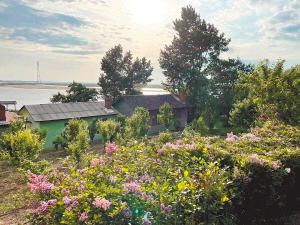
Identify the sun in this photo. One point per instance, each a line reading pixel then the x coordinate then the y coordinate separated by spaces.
pixel 147 11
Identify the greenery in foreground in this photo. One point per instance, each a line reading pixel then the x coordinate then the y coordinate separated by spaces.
pixel 252 178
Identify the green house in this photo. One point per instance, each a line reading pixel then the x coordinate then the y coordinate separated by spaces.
pixel 54 117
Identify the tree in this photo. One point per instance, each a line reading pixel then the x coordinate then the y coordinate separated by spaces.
pixel 268 85
pixel 186 61
pixel 120 73
pixel 76 93
pixel 165 116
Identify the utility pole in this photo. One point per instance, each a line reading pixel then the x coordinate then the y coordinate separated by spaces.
pixel 38 78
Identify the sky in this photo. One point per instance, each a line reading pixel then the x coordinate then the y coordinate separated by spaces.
pixel 70 37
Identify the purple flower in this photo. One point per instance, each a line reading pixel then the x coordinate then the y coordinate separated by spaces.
pixel 52 202
pixel 166 209
pixel 83 217
pixel 44 207
pixel 67 200
pixel 133 187
pixel 146 221
pixel 101 203
pixel 277 114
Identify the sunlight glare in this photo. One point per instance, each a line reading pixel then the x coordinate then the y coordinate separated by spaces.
pixel 147 11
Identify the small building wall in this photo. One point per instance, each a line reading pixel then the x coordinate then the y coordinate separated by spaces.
pixel 123 108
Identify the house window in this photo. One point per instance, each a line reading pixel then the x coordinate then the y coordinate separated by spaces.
pixel 177 114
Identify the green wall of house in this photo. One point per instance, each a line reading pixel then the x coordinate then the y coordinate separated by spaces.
pixel 55 127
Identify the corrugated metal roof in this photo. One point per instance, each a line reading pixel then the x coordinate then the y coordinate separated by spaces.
pixel 65 111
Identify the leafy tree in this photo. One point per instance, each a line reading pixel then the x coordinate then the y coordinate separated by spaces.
pixel 186 61
pixel 165 116
pixel 273 85
pixel 77 93
pixel 108 129
pixel 137 124
pixel 121 73
pixel 199 126
pixel 121 118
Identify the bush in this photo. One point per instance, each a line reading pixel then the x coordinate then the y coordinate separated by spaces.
pixel 137 125
pixel 165 137
pixel 22 146
pixel 61 140
pixel 108 129
pixel 244 114
pixel 93 129
pixel 253 178
pixel 200 127
pixel 165 116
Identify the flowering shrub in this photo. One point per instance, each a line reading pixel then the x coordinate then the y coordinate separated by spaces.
pixel 193 180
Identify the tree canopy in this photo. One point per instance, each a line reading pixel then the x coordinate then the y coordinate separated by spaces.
pixel 77 93
pixel 122 73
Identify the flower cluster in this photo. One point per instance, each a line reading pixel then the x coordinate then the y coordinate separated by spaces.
pixel 132 187
pixel 83 217
pixel 46 205
pixel 98 162
pixel 101 203
pixel 110 148
pixel 276 164
pixel 232 137
pixel 39 182
pixel 72 202
pixel 166 209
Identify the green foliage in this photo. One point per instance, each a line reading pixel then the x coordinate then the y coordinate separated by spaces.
pixel 274 85
pixel 165 116
pixel 61 140
pixel 74 127
pixel 108 129
pixel 137 124
pixel 77 93
pixel 93 129
pixel 121 118
pixel 22 146
pixel 79 147
pixel 244 114
pixel 199 126
pixel 165 137
pixel 176 124
pixel 121 73
pixel 253 178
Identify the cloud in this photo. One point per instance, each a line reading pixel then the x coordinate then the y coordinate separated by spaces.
pixel 284 25
pixel 78 52
pixel 38 26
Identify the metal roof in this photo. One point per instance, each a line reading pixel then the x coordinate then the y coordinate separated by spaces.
pixel 65 111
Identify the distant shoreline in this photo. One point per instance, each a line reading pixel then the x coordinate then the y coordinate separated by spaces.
pixel 34 86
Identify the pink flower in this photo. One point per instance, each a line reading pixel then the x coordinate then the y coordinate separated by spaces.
pixel 146 221
pixel 93 162
pixel 277 114
pixel 83 217
pixel 262 117
pixel 179 142
pixel 133 187
pixel 288 170
pixel 65 191
pixel 231 137
pixel 254 158
pixel 44 207
pixel 67 200
pixel 112 179
pixel 101 203
pixel 84 171
pixel 166 209
pixel 276 164
pixel 111 148
pixel 39 183
pixel 209 147
pixel 100 175
pixel 161 152
pixel 52 202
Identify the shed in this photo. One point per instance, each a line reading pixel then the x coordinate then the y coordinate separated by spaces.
pixel 55 116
